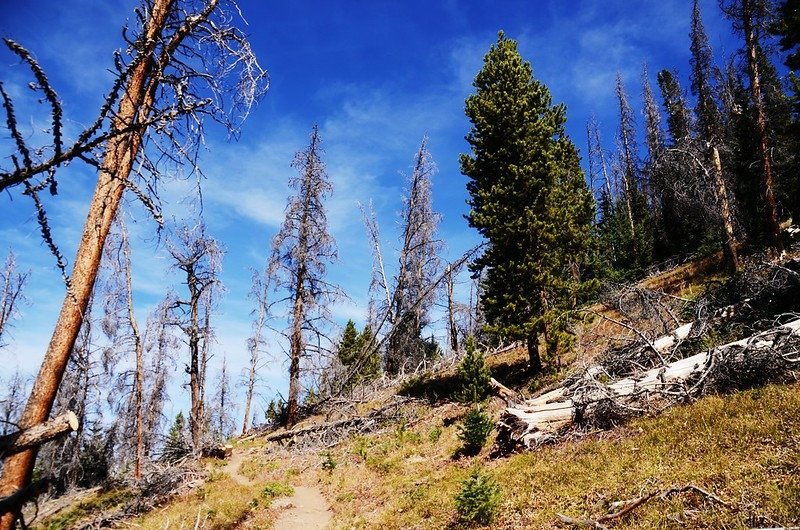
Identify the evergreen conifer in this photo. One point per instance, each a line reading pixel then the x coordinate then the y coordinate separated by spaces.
pixel 529 200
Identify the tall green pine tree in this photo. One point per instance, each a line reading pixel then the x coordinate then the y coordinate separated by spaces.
pixel 529 200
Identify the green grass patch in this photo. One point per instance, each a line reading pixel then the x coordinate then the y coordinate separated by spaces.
pixel 104 500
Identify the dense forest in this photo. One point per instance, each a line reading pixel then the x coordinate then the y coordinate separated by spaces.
pixel 707 169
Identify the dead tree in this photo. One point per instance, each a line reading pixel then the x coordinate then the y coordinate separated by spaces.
pixel 199 257
pixel 301 251
pixel 260 293
pixel 162 348
pixel 752 18
pixel 709 132
pixel 628 163
pixel 11 402
pixel 12 282
pixel 656 144
pixel 419 264
pixel 186 58
pixel 122 328
pixel 586 401
pixel 596 156
pixel 224 405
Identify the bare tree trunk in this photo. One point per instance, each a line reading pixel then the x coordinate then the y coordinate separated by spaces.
pixel 12 285
pixel 726 216
pixel 206 334
pixel 534 359
pixel 138 384
pixel 751 43
pixel 120 153
pixel 251 383
pixel 196 414
pixel 451 316
pixel 296 348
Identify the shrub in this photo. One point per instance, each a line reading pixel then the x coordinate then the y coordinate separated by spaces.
pixel 276 489
pixel 474 375
pixel 329 463
pixel 478 499
pixel 474 430
pixel 435 434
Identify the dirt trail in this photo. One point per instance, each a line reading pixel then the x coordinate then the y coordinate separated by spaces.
pixel 232 468
pixel 306 509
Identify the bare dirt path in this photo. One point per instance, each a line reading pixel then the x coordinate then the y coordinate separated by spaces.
pixel 306 509
pixel 232 468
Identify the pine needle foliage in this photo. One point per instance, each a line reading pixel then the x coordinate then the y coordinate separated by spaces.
pixel 478 499
pixel 474 431
pixel 529 200
pixel 474 374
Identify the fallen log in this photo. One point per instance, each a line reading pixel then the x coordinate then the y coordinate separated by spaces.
pixel 588 403
pixel 504 392
pixel 328 433
pixel 38 434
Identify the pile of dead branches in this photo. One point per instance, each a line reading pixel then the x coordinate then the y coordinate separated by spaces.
pixel 158 485
pixel 328 434
pixel 651 373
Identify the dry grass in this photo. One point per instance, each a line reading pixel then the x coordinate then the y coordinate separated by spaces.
pixel 742 448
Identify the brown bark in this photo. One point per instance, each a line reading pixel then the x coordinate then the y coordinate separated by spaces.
pixel 120 154
pixel 38 434
pixel 767 180
pixel 534 359
pixel 11 505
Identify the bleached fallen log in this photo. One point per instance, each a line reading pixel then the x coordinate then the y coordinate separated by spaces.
pixel 504 392
pixel 38 434
pixel 659 346
pixel 751 360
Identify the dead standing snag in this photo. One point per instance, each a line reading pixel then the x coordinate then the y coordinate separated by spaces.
pixel 186 59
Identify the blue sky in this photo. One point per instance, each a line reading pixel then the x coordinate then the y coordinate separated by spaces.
pixel 375 75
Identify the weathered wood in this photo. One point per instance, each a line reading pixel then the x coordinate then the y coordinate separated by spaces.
pixel 625 507
pixel 504 392
pixel 539 420
pixel 38 434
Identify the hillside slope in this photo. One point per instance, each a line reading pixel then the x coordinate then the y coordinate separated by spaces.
pixel 392 459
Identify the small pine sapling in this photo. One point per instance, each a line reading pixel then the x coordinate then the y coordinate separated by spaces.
pixel 474 375
pixel 474 431
pixel 478 499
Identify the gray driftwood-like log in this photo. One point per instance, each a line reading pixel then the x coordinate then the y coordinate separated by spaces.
pixel 38 434
pixel 586 402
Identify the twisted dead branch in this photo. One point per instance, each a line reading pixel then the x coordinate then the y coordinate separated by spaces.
pixel 594 401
